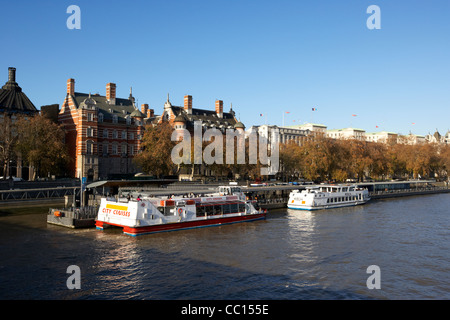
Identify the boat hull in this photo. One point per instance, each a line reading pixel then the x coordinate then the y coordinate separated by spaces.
pixel 200 223
pixel 309 208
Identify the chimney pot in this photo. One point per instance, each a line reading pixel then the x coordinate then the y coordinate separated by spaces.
pixel 219 108
pixel 111 92
pixel 144 108
pixel 188 104
pixel 71 87
pixel 12 74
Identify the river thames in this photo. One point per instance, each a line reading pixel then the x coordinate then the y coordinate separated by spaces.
pixel 292 255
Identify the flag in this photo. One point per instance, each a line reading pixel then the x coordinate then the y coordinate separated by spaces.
pixel 260 114
pixel 376 126
pixel 353 115
pixel 287 112
pixel 314 109
pixel 413 123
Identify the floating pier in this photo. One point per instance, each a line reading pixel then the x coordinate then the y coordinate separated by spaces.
pixel 73 217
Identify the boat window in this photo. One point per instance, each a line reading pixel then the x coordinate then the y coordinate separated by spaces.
pixel 241 207
pixel 226 208
pixel 169 211
pixel 209 210
pixel 234 207
pixel 217 209
pixel 200 211
pixel 351 189
pixel 344 189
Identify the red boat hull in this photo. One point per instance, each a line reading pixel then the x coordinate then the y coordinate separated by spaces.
pixel 135 231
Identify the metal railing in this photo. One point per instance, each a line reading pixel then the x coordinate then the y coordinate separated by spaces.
pixel 41 193
pixel 429 189
pixel 88 212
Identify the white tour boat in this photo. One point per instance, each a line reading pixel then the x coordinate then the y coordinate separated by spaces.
pixel 150 214
pixel 327 196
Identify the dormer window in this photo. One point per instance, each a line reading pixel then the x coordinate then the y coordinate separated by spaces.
pixel 115 119
pixel 100 117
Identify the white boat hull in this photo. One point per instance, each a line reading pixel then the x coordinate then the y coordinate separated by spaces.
pixel 327 197
pixel 310 208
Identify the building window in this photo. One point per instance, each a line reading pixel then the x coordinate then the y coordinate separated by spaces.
pixel 105 133
pixel 114 148
pixel 115 134
pixel 89 147
pixel 90 117
pixel 89 132
pixel 100 117
pixel 123 148
pixel 115 118
pixel 124 135
pixel 105 149
pixel 131 136
pixel 128 120
pixel 131 150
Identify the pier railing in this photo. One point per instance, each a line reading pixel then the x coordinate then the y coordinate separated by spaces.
pixel 411 191
pixel 88 212
pixel 38 193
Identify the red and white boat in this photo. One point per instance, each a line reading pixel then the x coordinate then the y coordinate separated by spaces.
pixel 150 215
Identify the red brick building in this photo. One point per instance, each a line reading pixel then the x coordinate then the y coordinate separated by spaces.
pixel 103 132
pixel 185 116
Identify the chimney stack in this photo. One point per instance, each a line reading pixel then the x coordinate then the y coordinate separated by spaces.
pixel 219 108
pixel 111 93
pixel 150 113
pixel 12 74
pixel 144 108
pixel 71 87
pixel 188 104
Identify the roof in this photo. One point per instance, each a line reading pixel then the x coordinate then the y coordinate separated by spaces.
pixel 239 125
pixel 122 108
pixel 12 99
pixel 209 118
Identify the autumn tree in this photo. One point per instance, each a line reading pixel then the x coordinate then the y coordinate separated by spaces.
pixel 40 142
pixel 8 140
pixel 290 159
pixel 157 146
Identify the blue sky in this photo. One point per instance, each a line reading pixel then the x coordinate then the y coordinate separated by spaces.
pixel 264 57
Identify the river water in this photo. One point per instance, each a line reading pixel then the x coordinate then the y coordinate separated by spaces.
pixel 292 255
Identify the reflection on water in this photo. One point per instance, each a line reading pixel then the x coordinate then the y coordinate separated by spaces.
pixel 292 255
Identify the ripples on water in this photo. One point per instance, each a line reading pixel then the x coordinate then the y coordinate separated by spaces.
pixel 291 255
